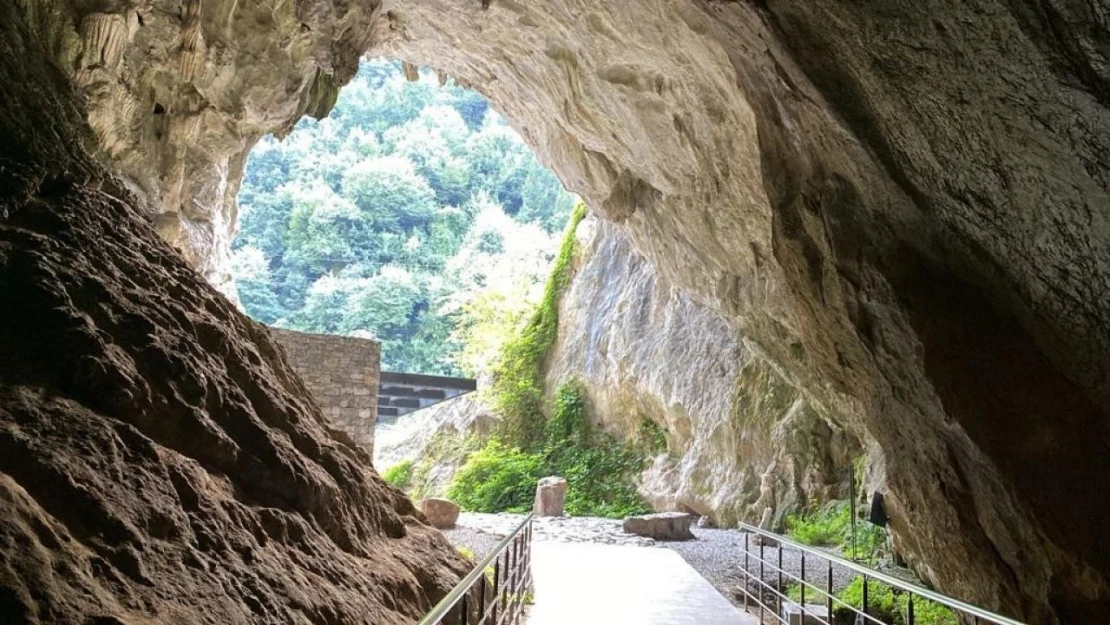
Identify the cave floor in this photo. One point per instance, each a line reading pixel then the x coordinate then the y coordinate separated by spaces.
pixel 592 584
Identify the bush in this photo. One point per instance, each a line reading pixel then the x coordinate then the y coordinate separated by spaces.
pixel 832 527
pixel 518 376
pixel 399 475
pixel 890 606
pixel 601 472
pixel 497 478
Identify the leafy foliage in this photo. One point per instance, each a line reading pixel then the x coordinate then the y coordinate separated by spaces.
pixel 497 478
pixel 831 526
pixel 360 224
pixel 891 606
pixel 517 376
pixel 601 471
pixel 399 475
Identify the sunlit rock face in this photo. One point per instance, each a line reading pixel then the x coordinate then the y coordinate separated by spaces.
pixel 160 462
pixel 741 441
pixel 902 204
pixel 178 92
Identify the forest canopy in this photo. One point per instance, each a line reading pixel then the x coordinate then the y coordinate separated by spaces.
pixel 413 214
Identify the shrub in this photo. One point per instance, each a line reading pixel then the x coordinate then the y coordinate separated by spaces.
pixel 601 471
pixel 518 374
pixel 399 475
pixel 890 605
pixel 497 478
pixel 832 527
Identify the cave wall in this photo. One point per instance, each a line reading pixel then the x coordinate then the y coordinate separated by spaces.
pixel 903 205
pixel 159 459
pixel 742 443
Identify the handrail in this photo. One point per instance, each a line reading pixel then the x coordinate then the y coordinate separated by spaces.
pixel 887 579
pixel 465 584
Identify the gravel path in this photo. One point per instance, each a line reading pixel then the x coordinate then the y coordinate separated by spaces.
pixel 717 554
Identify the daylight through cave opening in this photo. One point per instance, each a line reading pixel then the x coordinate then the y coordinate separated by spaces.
pixel 829 179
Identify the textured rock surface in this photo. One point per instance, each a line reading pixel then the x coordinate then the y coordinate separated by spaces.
pixel 551 495
pixel 179 91
pixel 436 440
pixel 903 204
pixel 661 525
pixel 441 513
pixel 740 438
pixel 159 461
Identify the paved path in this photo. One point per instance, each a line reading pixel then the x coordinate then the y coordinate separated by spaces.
pixel 590 584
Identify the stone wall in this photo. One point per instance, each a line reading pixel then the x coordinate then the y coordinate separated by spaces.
pixel 342 374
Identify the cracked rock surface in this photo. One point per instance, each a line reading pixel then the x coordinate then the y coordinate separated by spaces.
pixel 159 459
pixel 902 205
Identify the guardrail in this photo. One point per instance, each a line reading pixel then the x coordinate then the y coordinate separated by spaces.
pixel 498 588
pixel 785 596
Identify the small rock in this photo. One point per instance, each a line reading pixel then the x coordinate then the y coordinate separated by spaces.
pixel 661 526
pixel 814 614
pixel 706 522
pixel 551 493
pixel 441 513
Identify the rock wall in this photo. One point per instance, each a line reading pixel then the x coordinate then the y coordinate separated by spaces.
pixel 437 440
pixel 342 374
pixel 160 462
pixel 740 438
pixel 903 204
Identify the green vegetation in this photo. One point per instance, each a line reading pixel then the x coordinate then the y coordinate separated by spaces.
pixel 601 471
pixel 652 437
pixel 497 478
pixel 883 603
pixel 412 213
pixel 831 526
pixel 518 373
pixel 399 475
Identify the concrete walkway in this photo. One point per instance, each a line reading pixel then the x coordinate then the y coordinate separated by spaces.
pixel 590 584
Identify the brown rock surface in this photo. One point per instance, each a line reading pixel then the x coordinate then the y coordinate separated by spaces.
pixel 661 525
pixel 159 461
pixel 902 205
pixel 551 496
pixel 441 513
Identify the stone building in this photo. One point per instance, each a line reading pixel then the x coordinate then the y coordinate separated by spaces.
pixel 342 373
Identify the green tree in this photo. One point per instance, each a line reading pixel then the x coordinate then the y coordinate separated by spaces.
pixel 253 280
pixel 390 193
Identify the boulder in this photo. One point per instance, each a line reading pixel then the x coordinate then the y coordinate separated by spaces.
pixel 551 494
pixel 661 526
pixel 441 513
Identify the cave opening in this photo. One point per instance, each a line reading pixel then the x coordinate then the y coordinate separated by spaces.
pixel 160 457
pixel 412 214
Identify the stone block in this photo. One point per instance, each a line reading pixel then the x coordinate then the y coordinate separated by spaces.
pixel 661 526
pixel 441 513
pixel 814 614
pixel 551 494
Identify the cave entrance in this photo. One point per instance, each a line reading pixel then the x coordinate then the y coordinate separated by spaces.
pixel 413 215
pixel 407 214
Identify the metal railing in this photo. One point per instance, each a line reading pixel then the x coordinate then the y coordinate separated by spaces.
pixel 815 601
pixel 498 588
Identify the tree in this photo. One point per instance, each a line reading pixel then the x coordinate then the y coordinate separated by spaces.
pixel 253 279
pixel 389 193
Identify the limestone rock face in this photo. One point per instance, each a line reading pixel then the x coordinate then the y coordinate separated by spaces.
pixel 436 440
pixel 740 438
pixel 902 204
pixel 159 460
pixel 179 91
